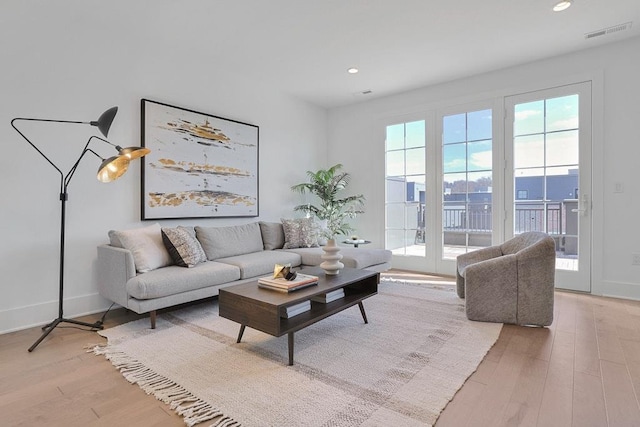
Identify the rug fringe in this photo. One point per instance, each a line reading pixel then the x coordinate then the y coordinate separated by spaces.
pixel 192 409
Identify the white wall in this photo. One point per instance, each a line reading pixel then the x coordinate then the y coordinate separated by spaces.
pixel 356 138
pixel 75 62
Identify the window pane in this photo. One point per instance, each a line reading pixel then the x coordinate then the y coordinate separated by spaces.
pixel 395 241
pixel 529 188
pixel 415 134
pixel 562 183
pixel 415 188
pixel 454 158
pixel 415 161
pixel 479 155
pixel 528 151
pixel 479 182
pixel 395 215
pixel 529 216
pixel 395 163
pixel 455 186
pixel 454 129
pixel 562 148
pixel 395 137
pixel 395 189
pixel 529 118
pixel 412 213
pixel 454 216
pixel 562 113
pixel 479 125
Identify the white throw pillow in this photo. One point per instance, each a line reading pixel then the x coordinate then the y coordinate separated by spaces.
pixel 146 246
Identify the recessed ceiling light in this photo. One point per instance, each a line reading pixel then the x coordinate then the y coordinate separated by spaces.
pixel 562 5
pixel 352 70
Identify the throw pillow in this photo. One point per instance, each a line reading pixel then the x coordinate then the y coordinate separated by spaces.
pixel 185 250
pixel 299 233
pixel 146 246
pixel 272 235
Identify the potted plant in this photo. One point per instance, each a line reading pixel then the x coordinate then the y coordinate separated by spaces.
pixel 327 185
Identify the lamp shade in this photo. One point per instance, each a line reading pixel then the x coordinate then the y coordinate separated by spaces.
pixel 112 168
pixel 105 120
pixel 133 153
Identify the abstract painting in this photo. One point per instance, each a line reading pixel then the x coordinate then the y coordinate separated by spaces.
pixel 200 166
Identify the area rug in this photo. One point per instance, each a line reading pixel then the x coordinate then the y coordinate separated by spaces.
pixel 401 369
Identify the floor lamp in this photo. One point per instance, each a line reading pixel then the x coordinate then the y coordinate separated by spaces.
pixel 110 169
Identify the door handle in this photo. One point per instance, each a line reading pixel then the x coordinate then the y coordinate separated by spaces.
pixel 584 201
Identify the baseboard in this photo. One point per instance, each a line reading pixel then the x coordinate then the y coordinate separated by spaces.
pixel 621 290
pixel 37 315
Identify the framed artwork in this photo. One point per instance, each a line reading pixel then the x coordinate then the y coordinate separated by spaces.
pixel 200 166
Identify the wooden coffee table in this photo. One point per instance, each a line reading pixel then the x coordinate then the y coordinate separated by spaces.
pixel 261 309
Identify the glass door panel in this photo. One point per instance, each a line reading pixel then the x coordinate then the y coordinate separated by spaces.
pixel 405 201
pixel 466 182
pixel 550 183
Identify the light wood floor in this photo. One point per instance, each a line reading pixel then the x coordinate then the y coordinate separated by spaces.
pixel 584 370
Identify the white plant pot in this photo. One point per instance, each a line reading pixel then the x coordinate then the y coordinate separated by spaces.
pixel 331 264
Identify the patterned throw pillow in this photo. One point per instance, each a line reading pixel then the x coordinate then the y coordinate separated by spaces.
pixel 299 233
pixel 184 248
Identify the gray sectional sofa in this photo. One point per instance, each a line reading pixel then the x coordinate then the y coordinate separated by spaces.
pixel 234 255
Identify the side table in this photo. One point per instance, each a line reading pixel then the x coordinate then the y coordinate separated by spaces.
pixel 355 243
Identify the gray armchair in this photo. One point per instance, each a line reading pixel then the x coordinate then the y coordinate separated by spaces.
pixel 510 283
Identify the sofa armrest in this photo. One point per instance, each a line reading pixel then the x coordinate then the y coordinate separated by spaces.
pixel 115 266
pixel 491 290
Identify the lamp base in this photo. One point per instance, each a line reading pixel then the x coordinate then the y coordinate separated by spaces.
pixel 51 326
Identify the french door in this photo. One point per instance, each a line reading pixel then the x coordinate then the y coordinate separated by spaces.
pixel 470 176
pixel 548 175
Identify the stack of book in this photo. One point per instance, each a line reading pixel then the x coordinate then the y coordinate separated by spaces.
pixel 284 285
pixel 294 310
pixel 329 296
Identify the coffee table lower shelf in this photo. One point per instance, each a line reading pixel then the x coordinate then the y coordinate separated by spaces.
pixel 261 309
pixel 308 321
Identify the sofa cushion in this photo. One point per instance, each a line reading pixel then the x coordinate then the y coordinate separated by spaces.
pixel 146 246
pixel 299 233
pixel 184 248
pixel 351 257
pixel 173 279
pixel 272 235
pixel 261 263
pixel 222 242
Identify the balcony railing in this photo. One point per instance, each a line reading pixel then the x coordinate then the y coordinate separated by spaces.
pixel 551 218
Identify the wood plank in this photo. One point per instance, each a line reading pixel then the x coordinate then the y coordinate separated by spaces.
pixel 588 401
pixel 557 401
pixel 524 406
pixel 495 400
pixel 460 411
pixel 621 403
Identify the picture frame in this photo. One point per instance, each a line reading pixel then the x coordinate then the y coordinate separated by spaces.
pixel 200 165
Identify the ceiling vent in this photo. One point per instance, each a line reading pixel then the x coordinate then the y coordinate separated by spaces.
pixel 610 30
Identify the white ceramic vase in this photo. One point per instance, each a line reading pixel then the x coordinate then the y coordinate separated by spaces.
pixel 332 256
